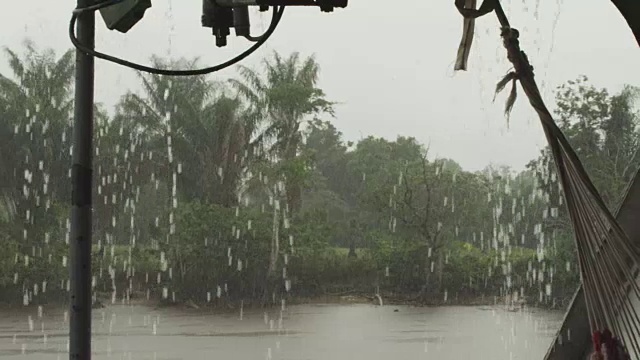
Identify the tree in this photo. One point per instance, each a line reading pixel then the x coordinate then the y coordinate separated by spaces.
pixel 192 124
pixel 621 145
pixel 327 185
pixel 424 202
pixel 35 113
pixel 282 99
pixel 36 101
pixel 603 129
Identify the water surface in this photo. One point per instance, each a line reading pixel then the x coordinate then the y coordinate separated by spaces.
pixel 306 332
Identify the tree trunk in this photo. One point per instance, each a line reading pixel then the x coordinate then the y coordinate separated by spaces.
pixel 293 186
pixel 273 256
pixel 275 242
pixel 427 276
pixel 352 249
pixel 440 269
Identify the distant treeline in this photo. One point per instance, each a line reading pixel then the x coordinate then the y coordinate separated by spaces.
pixel 239 190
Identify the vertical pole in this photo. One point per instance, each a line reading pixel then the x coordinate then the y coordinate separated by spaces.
pixel 80 246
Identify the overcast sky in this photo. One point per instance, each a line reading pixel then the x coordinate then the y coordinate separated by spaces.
pixel 390 67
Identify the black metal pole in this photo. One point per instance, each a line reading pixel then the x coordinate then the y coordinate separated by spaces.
pixel 80 244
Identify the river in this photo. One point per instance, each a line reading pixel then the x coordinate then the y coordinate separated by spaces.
pixel 305 332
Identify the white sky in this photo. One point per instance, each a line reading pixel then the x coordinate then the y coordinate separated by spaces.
pixel 390 67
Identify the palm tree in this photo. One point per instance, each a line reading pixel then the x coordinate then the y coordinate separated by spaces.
pixel 36 105
pixel 279 102
pixel 35 129
pixel 189 121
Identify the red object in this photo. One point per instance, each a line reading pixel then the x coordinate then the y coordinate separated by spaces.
pixel 597 341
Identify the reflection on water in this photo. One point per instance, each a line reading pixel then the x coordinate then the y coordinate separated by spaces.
pixel 306 332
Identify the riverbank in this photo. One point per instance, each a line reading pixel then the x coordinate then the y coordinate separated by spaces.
pixel 384 299
pixel 349 298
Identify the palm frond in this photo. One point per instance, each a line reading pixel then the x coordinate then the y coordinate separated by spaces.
pixel 15 63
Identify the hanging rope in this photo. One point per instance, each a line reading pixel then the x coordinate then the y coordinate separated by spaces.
pixel 608 260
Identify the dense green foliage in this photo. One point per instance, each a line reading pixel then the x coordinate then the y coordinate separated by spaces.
pixel 243 191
